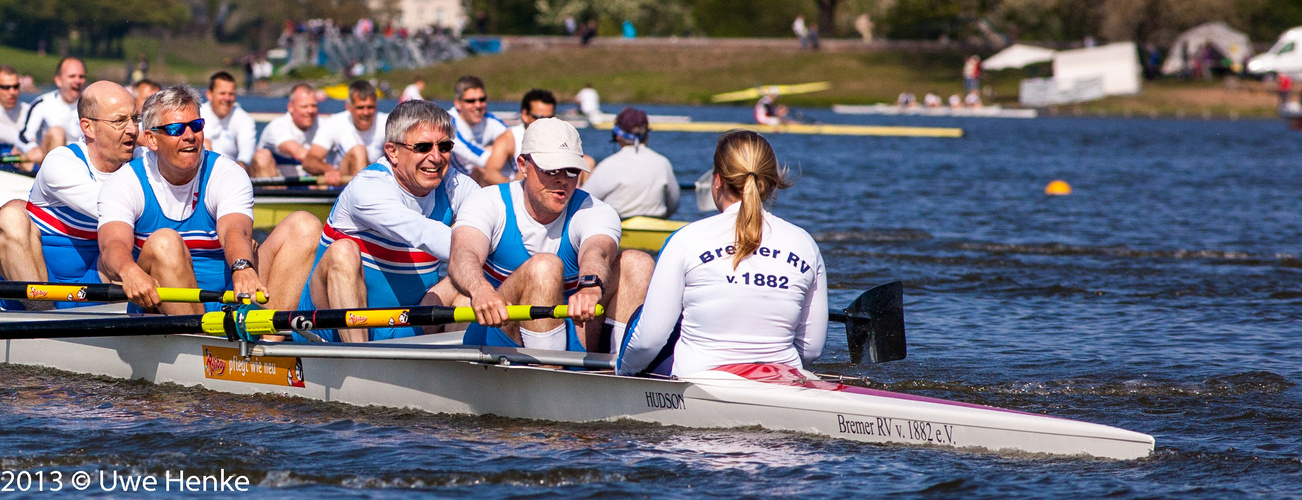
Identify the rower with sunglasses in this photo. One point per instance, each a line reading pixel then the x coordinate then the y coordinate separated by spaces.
pixel 541 240
pixel 51 236
pixel 476 129
pixel 11 114
pixel 389 230
pixel 182 216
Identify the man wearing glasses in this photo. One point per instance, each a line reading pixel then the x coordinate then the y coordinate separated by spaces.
pixel 541 240
pixel 11 114
pixel 52 235
pixel 476 128
pixel 389 230
pixel 356 135
pixel 52 120
pixel 181 216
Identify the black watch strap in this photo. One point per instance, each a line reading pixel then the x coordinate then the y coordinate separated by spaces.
pixel 241 264
pixel 591 280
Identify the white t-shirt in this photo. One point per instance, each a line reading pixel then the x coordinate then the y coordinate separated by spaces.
pixel 64 181
pixel 411 93
pixel 338 134
pixel 486 211
pixel 374 201
pixel 636 181
pixel 121 198
pixel 589 101
pixel 471 143
pixel 10 120
pixel 771 309
pixel 234 136
pixel 48 110
pixel 282 130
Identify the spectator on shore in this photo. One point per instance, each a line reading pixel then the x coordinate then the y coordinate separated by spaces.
pixel 140 71
pixel 570 26
pixel 864 25
pixel 1285 87
pixel 589 32
pixel 629 30
pixel 813 37
pixel 142 89
pixel 971 73
pixel 800 30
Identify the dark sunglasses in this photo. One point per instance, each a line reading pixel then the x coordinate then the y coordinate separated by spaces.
pixel 118 123
pixel 9 87
pixel 539 117
pixel 425 147
pixel 569 172
pixel 177 129
pixel 473 101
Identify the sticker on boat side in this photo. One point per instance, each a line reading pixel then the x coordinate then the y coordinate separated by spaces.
pixel 665 400
pixel 898 428
pixel 225 363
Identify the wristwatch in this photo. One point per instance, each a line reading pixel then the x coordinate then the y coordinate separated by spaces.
pixel 591 280
pixel 241 264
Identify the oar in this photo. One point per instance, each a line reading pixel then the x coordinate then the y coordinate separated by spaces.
pixel 108 292
pixel 875 321
pixel 11 159
pixel 304 180
pixel 243 323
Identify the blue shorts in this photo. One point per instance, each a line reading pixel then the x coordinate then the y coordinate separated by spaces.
pixel 382 290
pixel 70 264
pixel 663 364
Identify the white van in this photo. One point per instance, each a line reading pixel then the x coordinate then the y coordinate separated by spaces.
pixel 1284 57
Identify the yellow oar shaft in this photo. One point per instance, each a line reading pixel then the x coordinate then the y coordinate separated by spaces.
pixel 271 322
pixel 108 292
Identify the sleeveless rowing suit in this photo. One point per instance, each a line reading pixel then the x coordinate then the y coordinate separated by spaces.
pixel 69 238
pixel 397 273
pixel 510 253
pixel 199 230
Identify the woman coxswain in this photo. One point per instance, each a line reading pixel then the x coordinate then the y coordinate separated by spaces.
pixel 743 286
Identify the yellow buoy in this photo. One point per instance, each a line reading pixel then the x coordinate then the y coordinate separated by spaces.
pixel 1057 188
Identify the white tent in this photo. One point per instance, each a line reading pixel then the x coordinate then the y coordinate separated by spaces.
pixel 1017 56
pixel 1230 42
pixel 1116 63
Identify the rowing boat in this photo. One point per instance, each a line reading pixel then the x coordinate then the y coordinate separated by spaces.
pixel 890 109
pixel 806 128
pixel 435 374
pixel 753 93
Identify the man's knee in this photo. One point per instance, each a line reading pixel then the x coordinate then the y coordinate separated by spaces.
pixel 542 268
pixel 342 256
pixel 14 221
pixel 301 227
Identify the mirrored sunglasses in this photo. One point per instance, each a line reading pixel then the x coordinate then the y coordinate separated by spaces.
pixel 177 129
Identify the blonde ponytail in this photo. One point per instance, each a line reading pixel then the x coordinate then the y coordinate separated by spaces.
pixel 749 168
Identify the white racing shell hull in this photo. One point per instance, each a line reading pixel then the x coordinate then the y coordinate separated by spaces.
pixel 713 400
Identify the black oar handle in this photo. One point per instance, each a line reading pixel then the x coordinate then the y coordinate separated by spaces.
pixel 107 327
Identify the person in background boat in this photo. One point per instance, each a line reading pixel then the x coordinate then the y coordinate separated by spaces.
pixel 413 91
pixel 142 89
pixel 356 135
pixel 589 103
pixel 743 286
pixel 955 102
pixel 500 168
pixel 769 112
pixel 973 99
pixel 390 229
pixel 228 129
pixel 282 149
pixel 476 128
pixel 181 216
pixel 52 119
pixel 931 100
pixel 906 100
pixel 12 112
pixel 541 240
pixel 636 180
pixel 63 200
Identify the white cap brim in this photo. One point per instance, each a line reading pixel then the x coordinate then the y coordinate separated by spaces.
pixel 559 160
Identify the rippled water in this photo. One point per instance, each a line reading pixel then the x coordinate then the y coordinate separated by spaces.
pixel 1162 297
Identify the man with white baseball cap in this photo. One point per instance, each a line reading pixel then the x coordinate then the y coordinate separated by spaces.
pixel 541 240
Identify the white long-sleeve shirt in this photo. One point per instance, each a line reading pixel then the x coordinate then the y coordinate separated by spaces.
pixel 374 202
pixel 48 110
pixel 636 181
pixel 771 309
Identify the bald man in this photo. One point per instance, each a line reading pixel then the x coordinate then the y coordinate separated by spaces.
pixel 59 242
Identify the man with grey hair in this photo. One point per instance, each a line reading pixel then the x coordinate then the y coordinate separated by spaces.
pixel 181 216
pixel 390 228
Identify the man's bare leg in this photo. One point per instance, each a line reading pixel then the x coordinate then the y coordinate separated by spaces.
pixel 166 258
pixel 539 281
pixel 21 255
pixel 630 277
pixel 339 283
pixel 264 165
pixel 285 259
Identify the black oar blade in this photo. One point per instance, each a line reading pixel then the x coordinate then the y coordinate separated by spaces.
pixel 875 321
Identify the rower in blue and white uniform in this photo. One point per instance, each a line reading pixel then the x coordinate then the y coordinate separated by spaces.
pixel 740 287
pixel 476 128
pixel 12 112
pixel 542 241
pixel 181 216
pixel 64 196
pixel 390 229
